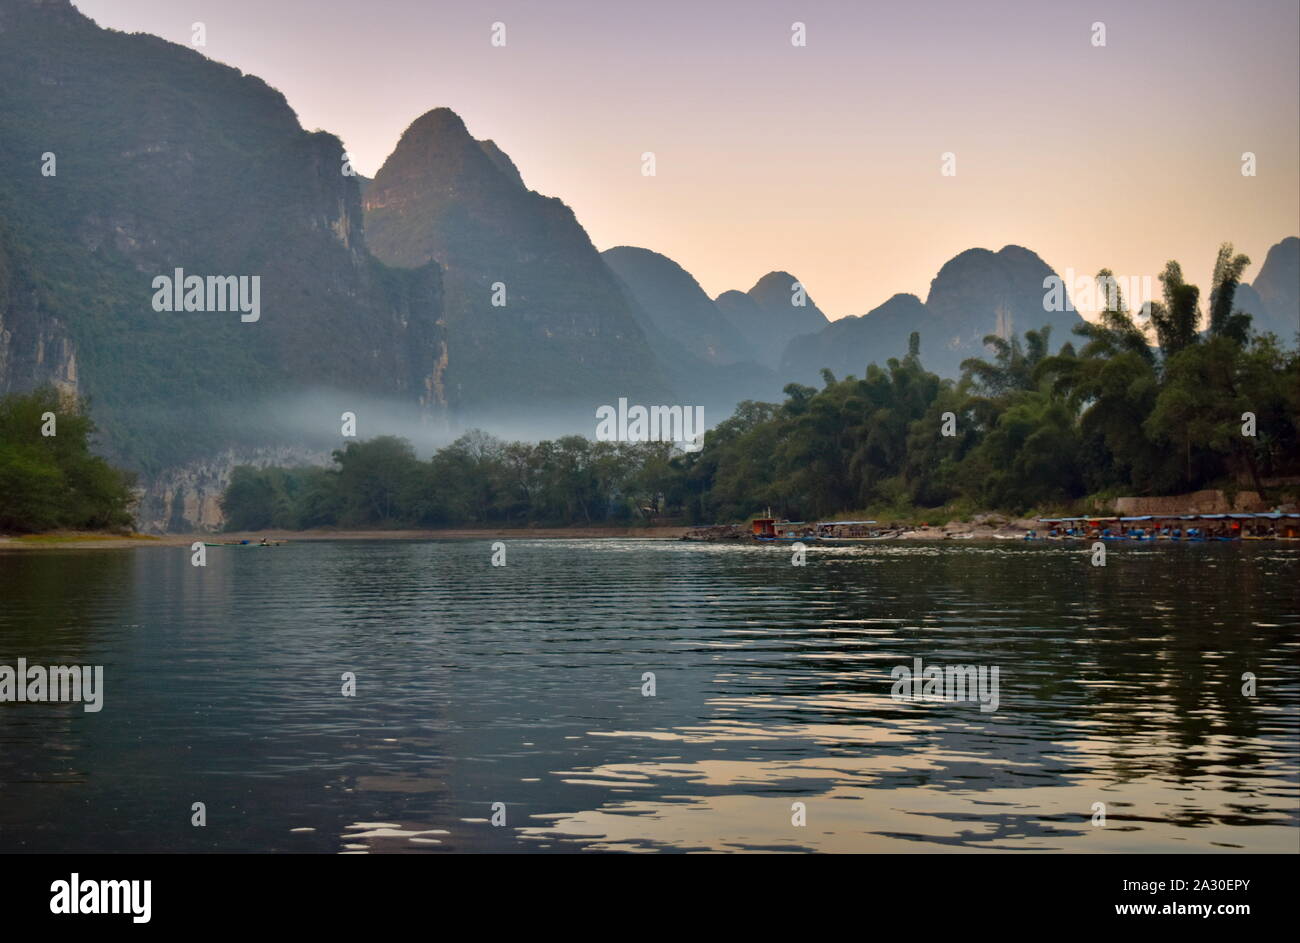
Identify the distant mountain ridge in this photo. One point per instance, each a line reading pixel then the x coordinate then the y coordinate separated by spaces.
pixel 777 308
pixel 534 317
pixel 976 293
pixel 979 292
pixel 1278 286
pixel 677 305
pixel 847 345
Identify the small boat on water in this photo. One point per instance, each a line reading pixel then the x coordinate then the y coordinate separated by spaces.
pixel 773 531
pixel 848 532
pixel 770 530
pixel 247 543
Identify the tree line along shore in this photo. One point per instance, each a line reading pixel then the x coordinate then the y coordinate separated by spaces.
pixel 1023 432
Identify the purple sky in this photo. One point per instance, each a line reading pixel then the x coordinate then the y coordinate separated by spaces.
pixel 822 160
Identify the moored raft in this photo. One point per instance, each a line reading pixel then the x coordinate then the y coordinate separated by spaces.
pixel 1198 528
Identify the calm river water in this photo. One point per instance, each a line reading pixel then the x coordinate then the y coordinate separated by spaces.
pixel 523 685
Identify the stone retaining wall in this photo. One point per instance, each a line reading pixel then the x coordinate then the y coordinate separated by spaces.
pixel 1198 502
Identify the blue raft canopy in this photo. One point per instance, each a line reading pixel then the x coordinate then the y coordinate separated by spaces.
pixel 1258 515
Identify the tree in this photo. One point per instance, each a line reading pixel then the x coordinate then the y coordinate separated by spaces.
pixel 1208 389
pixel 372 476
pixel 1013 366
pixel 1227 276
pixel 55 481
pixel 1176 320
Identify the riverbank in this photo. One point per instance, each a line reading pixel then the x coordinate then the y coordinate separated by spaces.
pixel 979 527
pixel 984 526
pixel 102 541
pixel 79 540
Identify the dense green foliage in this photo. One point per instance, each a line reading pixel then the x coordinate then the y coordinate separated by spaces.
pixel 53 481
pixel 1029 429
pixel 476 479
pixel 1118 415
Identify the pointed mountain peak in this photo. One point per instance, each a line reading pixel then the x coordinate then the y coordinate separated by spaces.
pixel 437 155
pixel 437 122
pixel 1013 253
pixel 900 300
pixel 537 320
pixel 440 139
pixel 436 138
pixel 773 281
pixel 985 269
pixel 771 313
pixel 968 257
pixel 782 292
pixel 1282 253
pixel 635 255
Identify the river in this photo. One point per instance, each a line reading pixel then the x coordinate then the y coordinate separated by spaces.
pixel 1125 719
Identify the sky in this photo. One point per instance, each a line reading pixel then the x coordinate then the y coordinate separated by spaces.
pixel 824 159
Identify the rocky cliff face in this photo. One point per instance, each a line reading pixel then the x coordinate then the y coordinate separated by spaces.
pixel 535 321
pixel 35 352
pixel 35 348
pixel 187 498
pixel 125 158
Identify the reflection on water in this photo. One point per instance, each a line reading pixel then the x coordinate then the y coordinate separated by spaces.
pixel 522 685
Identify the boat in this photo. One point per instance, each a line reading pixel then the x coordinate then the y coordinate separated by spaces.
pixel 1204 528
pixel 847 532
pixel 247 543
pixel 771 530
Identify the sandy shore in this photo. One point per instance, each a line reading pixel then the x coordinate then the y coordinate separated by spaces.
pixel 96 541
